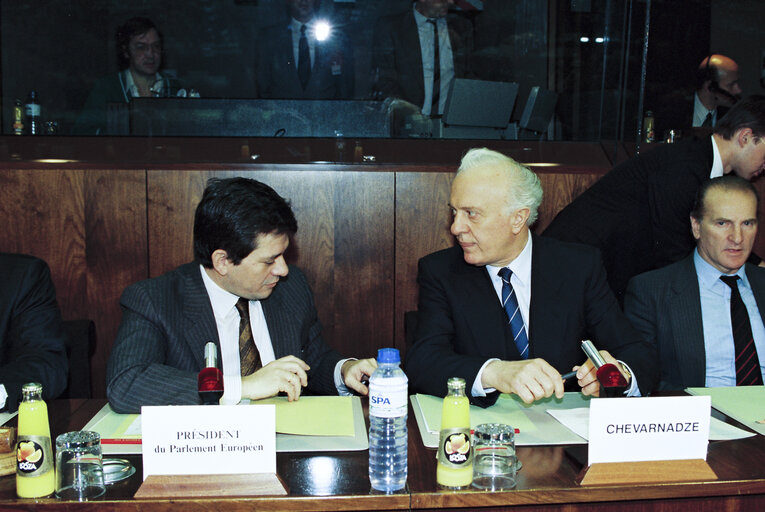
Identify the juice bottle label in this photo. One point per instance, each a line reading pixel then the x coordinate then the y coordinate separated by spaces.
pixel 33 456
pixel 454 448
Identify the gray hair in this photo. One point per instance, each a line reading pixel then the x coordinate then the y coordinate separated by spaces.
pixel 525 189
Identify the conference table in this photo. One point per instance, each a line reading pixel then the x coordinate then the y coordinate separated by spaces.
pixel 338 481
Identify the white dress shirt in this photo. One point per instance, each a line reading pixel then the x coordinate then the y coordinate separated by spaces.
pixel 227 322
pixel 717 165
pixel 700 112
pixel 425 31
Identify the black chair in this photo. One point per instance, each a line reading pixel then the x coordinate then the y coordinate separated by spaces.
pixel 80 344
pixel 410 328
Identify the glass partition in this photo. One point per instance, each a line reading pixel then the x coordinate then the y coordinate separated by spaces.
pixel 584 70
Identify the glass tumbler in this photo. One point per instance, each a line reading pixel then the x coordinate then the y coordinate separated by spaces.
pixel 494 459
pixel 79 469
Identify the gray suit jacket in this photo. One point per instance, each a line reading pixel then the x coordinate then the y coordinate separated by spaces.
pixel 166 322
pixel 664 305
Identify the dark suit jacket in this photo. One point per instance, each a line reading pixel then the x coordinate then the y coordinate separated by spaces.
pixel 461 322
pixel 166 322
pixel 664 305
pixel 32 343
pixel 332 74
pixel 398 56
pixel 638 213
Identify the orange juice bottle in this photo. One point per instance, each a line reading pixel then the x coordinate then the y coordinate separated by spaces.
pixel 455 450
pixel 35 468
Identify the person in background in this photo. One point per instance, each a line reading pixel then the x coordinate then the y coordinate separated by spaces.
pixel 32 338
pixel 507 310
pixel 304 58
pixel 139 55
pixel 703 313
pixel 239 293
pixel 637 214
pixel 405 54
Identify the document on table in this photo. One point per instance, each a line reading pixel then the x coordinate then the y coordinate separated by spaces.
pixel 534 425
pixel 312 423
pixel 578 420
pixel 745 404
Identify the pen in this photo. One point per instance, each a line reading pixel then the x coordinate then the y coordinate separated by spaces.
pixel 568 375
pixel 120 441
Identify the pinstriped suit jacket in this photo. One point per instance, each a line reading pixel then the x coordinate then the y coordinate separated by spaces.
pixel 166 322
pixel 664 305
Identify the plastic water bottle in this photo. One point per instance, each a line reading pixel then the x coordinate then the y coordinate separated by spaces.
pixel 387 423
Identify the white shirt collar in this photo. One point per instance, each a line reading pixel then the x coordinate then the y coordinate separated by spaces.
pixel 717 165
pixel 700 112
pixel 222 301
pixel 131 89
pixel 520 266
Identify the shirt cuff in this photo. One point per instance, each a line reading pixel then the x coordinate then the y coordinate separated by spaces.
pixel 633 390
pixel 232 390
pixel 477 389
pixel 3 396
pixel 342 389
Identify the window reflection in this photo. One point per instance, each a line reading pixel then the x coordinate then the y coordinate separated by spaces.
pixel 369 62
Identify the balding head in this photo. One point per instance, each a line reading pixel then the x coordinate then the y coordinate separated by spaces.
pixel 717 81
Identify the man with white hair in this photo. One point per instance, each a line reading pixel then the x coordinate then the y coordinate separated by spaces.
pixel 505 309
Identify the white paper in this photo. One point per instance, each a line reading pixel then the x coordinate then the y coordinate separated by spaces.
pixel 207 440
pixel 652 428
pixel 578 422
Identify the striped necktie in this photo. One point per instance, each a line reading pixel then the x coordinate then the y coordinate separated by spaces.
pixel 510 303
pixel 249 357
pixel 748 371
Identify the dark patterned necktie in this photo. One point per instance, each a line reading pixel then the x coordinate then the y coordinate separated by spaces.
pixel 748 371
pixel 436 69
pixel 249 357
pixel 707 121
pixel 304 59
pixel 510 303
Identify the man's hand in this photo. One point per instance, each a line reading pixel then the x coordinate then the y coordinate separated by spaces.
pixel 285 375
pixel 356 372
pixel 587 374
pixel 531 379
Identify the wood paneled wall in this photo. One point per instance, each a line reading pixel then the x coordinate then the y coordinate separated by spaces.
pixel 361 231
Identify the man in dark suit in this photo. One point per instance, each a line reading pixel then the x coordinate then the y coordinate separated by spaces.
pixel 685 308
pixel 637 214
pixel 404 54
pixel 465 328
pixel 32 343
pixel 716 90
pixel 304 58
pixel 240 294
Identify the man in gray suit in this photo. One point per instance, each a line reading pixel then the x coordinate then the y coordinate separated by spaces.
pixel 703 312
pixel 240 294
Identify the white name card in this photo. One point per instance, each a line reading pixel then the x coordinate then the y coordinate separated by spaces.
pixel 652 428
pixel 208 439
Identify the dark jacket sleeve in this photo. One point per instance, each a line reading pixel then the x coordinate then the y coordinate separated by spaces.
pixel 33 344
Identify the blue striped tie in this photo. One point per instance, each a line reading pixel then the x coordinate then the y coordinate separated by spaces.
pixel 510 303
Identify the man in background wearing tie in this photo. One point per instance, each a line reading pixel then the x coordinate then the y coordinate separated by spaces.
pixel 703 312
pixel 239 293
pixel 506 310
pixel 717 89
pixel 306 58
pixel 637 214
pixel 419 52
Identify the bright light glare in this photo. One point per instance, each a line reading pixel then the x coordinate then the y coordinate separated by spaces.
pixel 322 30
pixel 584 39
pixel 599 39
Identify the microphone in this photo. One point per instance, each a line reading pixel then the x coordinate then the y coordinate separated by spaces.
pixel 609 376
pixel 210 379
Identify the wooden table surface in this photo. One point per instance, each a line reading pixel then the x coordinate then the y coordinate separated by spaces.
pixel 338 481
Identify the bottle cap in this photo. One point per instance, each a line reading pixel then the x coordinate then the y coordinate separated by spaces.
pixel 456 383
pixel 388 355
pixel 31 387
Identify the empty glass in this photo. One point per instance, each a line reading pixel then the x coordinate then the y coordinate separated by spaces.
pixel 494 460
pixel 79 469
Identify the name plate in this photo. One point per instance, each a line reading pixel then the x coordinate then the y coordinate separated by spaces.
pixel 208 439
pixel 649 429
